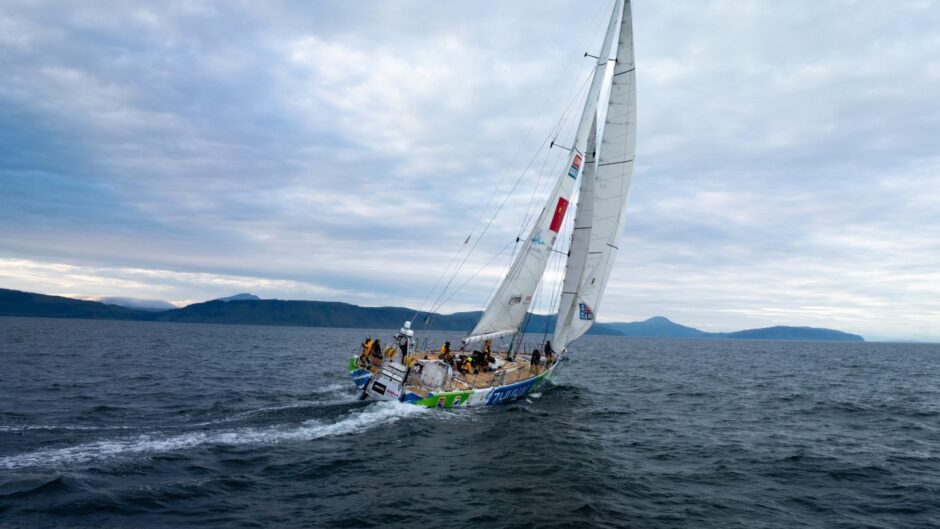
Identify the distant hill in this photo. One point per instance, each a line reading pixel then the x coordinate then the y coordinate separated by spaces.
pixel 250 310
pixel 16 303
pixel 656 327
pixel 307 313
pixel 795 333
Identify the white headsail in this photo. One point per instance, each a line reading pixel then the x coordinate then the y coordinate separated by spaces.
pixel 600 222
pixel 507 309
pixel 580 242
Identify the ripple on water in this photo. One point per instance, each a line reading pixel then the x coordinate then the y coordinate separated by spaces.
pixel 246 426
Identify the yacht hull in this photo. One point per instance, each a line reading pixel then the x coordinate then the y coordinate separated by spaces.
pixel 486 396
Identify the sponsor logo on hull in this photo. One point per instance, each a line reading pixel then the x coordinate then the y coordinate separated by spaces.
pixel 511 391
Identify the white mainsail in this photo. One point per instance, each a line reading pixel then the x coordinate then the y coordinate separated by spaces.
pixel 601 223
pixel 507 309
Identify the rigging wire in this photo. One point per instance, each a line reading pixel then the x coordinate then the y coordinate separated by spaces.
pixel 519 236
pixel 472 277
pixel 515 156
pixel 438 301
pixel 538 190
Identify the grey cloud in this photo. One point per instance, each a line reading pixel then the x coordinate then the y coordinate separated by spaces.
pixel 786 167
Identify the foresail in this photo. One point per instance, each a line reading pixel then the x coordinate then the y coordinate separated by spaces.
pixel 611 184
pixel 507 309
pixel 580 241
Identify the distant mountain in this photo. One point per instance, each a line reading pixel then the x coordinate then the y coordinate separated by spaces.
pixel 16 303
pixel 250 310
pixel 656 327
pixel 240 297
pixel 136 303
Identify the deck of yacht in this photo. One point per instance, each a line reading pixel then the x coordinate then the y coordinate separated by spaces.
pixel 508 372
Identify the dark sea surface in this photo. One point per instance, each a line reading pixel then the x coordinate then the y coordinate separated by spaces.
pixel 124 424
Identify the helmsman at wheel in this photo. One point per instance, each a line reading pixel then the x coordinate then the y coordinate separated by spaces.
pixel 406 340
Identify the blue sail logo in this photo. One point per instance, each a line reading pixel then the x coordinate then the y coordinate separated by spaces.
pixel 585 312
pixel 537 239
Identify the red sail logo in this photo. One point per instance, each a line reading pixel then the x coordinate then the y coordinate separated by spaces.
pixel 560 210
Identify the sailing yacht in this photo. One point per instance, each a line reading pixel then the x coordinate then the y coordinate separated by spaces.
pixel 601 164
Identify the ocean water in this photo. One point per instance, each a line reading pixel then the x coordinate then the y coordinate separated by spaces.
pixel 125 424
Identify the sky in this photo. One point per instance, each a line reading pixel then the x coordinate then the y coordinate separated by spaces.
pixel 787 173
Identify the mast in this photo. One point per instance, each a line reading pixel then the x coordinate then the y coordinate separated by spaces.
pixel 589 268
pixel 507 309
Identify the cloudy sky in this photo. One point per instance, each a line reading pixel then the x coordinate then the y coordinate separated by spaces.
pixel 788 157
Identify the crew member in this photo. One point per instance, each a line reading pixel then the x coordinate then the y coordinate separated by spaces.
pixel 549 353
pixel 467 366
pixel 488 362
pixel 445 352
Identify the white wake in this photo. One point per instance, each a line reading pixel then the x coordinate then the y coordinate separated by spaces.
pixel 377 414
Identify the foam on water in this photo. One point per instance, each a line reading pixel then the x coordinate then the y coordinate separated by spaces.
pixel 333 388
pixel 67 428
pixel 345 399
pixel 376 414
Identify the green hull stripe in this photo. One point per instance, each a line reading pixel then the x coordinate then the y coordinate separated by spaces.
pixel 432 400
